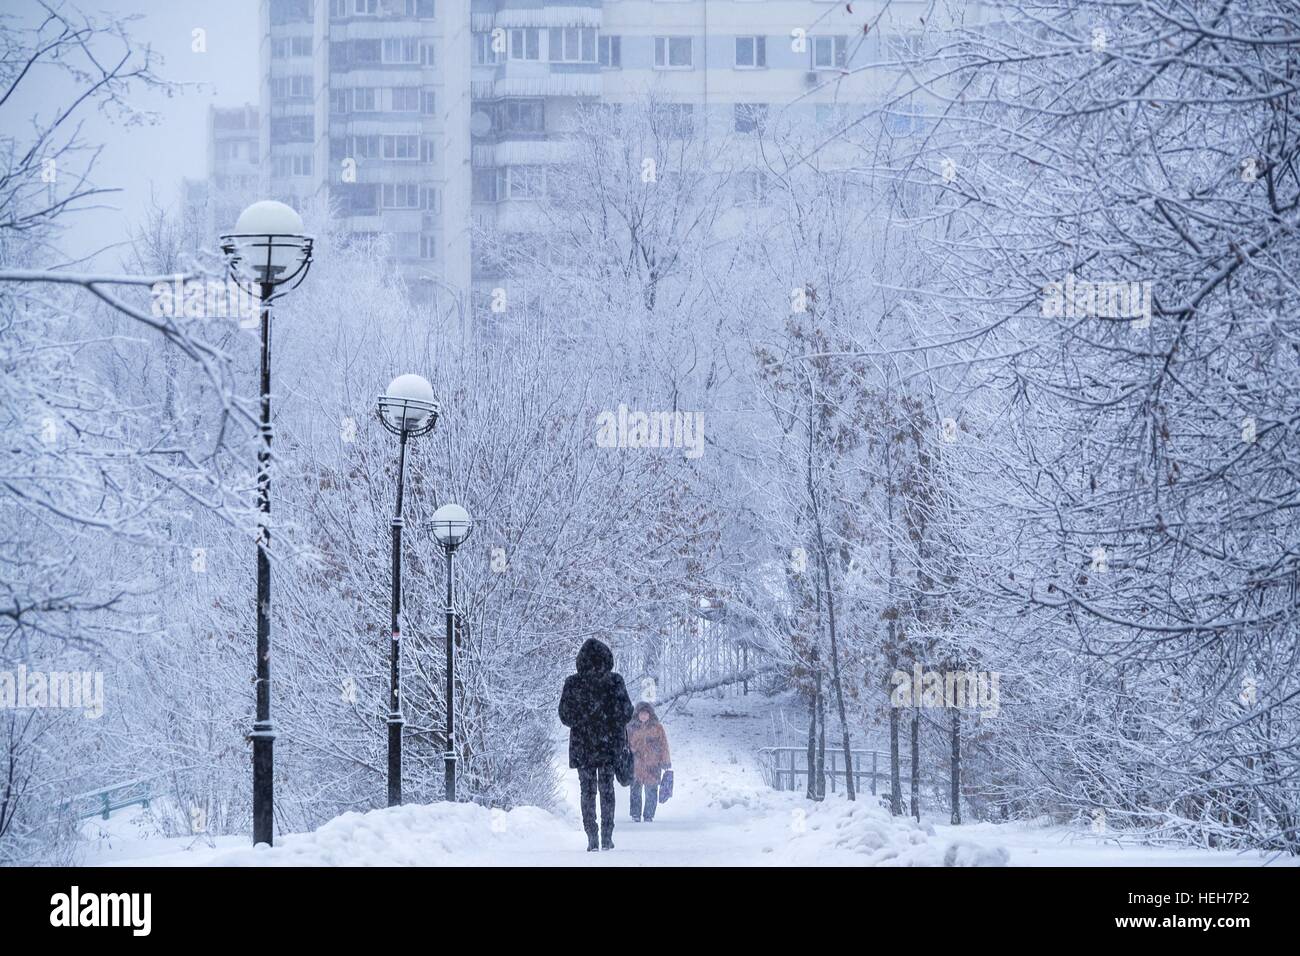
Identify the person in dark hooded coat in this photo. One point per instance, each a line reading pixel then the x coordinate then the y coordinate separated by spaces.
pixel 596 708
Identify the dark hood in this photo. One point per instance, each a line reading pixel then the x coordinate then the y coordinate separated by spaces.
pixel 595 657
pixel 646 706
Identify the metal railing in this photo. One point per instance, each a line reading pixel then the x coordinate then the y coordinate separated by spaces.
pixel 102 802
pixel 782 768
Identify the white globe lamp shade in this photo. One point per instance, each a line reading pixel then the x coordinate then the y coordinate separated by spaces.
pixel 408 401
pixel 269 240
pixel 451 525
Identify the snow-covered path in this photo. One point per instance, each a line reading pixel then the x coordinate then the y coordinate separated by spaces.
pixel 721 815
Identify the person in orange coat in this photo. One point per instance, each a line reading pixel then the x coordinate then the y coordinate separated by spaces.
pixel 649 743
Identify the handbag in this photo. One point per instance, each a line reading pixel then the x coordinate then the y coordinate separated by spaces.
pixel 624 767
pixel 666 786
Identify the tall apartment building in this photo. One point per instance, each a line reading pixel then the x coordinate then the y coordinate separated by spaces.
pixel 366 102
pixel 422 118
pixel 233 170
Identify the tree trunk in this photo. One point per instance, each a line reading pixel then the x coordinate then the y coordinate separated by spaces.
pixel 916 764
pixel 956 766
pixel 835 671
pixel 821 738
pixel 812 744
pixel 892 652
pixel 895 783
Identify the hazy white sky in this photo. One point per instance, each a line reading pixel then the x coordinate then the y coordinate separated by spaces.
pixel 155 158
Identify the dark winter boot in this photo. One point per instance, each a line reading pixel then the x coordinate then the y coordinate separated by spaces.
pixel 607 840
pixel 592 845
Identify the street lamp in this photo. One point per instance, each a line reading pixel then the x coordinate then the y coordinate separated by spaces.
pixel 269 250
pixel 451 526
pixel 407 409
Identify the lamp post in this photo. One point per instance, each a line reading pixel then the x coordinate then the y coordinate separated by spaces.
pixel 267 250
pixel 407 409
pixel 451 526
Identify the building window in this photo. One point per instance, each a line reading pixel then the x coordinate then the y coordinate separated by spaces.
pixel 904 117
pixel 673 53
pixel 406 99
pixel 483 185
pixel 428 246
pixel 420 8
pixel 292 166
pixel 292 129
pixel 751 53
pixel 571 45
pixel 364 99
pixel 401 196
pixel 521 116
pixel 290 11
pixel 610 53
pixel 365 51
pixel 359 199
pixel 365 8
pixel 526 43
pixel 430 199
pixel 750 117
pixel 426 54
pixel 340 100
pixel 485 52
pixel 831 115
pixel 527 182
pixel 751 187
pixel 286 87
pixel 399 50
pixel 284 47
pixel 365 147
pixel 674 119
pixel 828 53
pixel 231 119
pixel 401 147
pixel 428 102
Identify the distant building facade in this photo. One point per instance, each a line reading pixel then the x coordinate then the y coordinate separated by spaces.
pixel 425 120
pixel 234 169
pixel 366 103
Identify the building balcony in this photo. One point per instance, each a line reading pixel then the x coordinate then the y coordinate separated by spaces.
pixel 587 83
pixel 569 15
